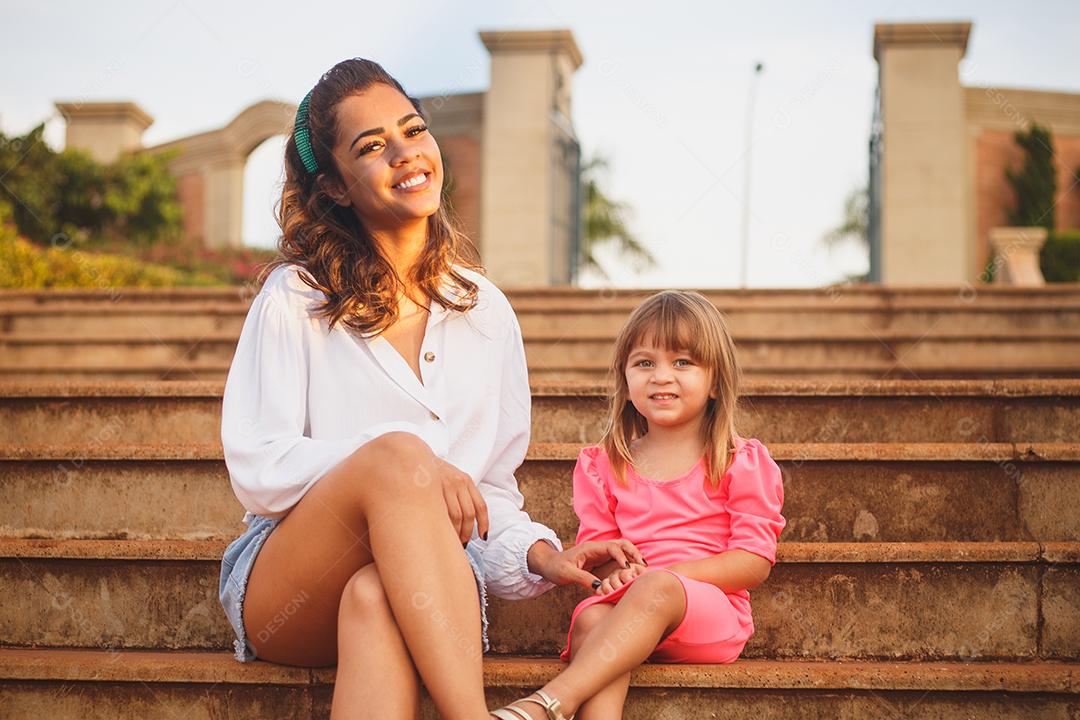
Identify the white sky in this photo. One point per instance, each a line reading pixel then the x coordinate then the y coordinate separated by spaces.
pixel 662 94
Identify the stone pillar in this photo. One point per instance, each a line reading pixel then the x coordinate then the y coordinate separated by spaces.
pixel 223 203
pixel 1016 255
pixel 526 104
pixel 923 163
pixel 104 129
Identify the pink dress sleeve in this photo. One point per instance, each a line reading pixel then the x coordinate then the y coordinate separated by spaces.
pixel 593 502
pixel 754 500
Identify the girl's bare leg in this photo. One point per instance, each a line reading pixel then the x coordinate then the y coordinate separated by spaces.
pixel 377 674
pixel 608 703
pixel 379 505
pixel 651 609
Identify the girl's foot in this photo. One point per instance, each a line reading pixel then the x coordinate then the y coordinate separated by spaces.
pixel 539 706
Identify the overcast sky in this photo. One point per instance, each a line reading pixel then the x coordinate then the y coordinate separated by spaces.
pixel 663 95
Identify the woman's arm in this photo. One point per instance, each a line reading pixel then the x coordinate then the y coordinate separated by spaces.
pixel 510 552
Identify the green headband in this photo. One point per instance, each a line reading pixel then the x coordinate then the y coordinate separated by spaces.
pixel 303 137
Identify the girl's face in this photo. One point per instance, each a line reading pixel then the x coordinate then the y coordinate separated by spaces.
pixel 390 163
pixel 669 388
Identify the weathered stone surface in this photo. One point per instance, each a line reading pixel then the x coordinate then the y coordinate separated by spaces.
pixel 774 411
pixel 65 684
pixel 861 600
pixel 1060 632
pixel 833 493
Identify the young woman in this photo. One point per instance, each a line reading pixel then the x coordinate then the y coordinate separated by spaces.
pixel 374 415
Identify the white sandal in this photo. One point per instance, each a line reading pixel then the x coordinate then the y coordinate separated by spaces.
pixel 551 707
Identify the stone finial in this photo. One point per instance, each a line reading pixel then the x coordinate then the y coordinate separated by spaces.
pixel 104 129
pixel 1016 253
pixel 921 34
pixel 531 41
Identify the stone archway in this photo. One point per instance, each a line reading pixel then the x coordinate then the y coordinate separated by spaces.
pixel 210 171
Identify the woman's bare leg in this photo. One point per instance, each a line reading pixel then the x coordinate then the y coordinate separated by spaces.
pixel 377 674
pixel 381 506
pixel 608 703
pixel 651 609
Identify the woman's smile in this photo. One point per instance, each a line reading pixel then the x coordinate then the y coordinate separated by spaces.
pixel 418 181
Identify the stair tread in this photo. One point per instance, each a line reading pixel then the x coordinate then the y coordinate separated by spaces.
pixel 220 667
pixel 993 388
pixel 1062 551
pixel 925 452
pixel 787 336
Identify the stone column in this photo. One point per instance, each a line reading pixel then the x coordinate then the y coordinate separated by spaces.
pixel 104 129
pixel 531 72
pixel 923 162
pixel 1016 255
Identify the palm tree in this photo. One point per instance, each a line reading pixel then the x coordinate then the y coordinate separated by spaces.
pixel 605 222
pixel 856 222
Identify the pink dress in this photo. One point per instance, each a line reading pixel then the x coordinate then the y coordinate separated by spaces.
pixel 682 519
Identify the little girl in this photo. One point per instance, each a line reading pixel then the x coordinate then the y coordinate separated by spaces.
pixel 701 504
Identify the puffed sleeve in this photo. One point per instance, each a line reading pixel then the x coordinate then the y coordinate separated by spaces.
pixel 755 497
pixel 271 462
pixel 511 531
pixel 593 501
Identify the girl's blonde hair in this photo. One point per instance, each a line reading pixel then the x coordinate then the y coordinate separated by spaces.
pixel 677 320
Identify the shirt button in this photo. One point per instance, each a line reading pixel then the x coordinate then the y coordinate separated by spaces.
pixel 434 416
pixel 429 356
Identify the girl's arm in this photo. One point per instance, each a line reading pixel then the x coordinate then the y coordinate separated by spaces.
pixel 731 570
pixel 755 498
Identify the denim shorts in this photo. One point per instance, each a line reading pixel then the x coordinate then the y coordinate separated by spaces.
pixel 239 558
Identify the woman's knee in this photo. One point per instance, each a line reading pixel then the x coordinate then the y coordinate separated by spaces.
pixel 363 598
pixel 401 462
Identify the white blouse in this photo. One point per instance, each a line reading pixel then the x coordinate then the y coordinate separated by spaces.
pixel 299 400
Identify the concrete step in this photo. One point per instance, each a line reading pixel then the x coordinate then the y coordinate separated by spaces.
pixel 859 295
pixel 1027 351
pixel 833 492
pixel 943 601
pixel 795 411
pixel 216 372
pixel 123 685
pixel 587 316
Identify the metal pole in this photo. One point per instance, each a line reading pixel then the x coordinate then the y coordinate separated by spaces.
pixel 746 175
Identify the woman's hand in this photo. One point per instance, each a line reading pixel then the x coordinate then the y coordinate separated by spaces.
pixel 620 577
pixel 464 503
pixel 571 566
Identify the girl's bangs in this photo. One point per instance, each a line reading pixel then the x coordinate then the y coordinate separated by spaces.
pixel 672 331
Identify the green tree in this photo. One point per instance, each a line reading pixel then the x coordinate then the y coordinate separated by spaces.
pixel 605 222
pixel 1034 185
pixel 855 225
pixel 49 194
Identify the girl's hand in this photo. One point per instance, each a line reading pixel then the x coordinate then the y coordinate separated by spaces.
pixel 464 503
pixel 617 579
pixel 572 565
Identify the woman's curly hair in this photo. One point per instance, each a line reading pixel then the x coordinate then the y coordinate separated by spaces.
pixel 328 241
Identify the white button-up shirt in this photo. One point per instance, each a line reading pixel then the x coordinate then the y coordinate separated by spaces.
pixel 299 399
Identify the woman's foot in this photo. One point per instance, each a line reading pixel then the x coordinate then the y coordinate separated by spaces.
pixel 538 706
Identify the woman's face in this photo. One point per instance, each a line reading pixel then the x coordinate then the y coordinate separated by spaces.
pixel 389 162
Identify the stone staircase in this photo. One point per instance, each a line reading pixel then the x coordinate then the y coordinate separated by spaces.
pixel 930 567
pixel 855 333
